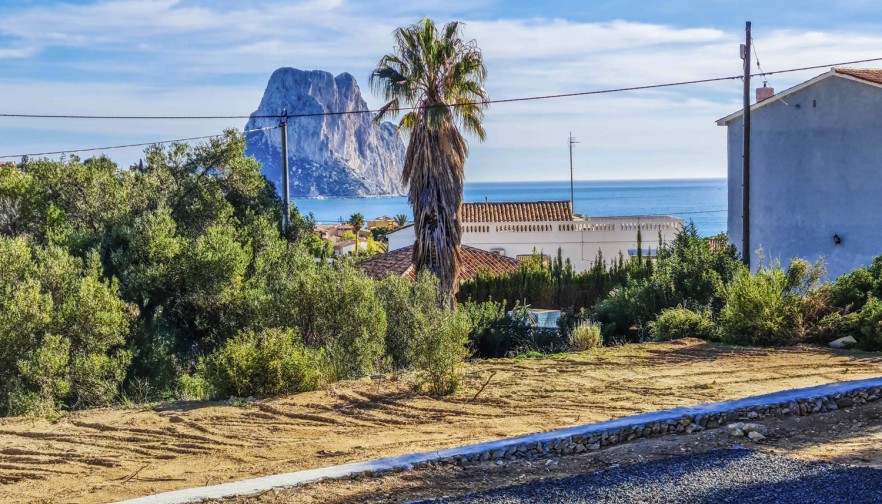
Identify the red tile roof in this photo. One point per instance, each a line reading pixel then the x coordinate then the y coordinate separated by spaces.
pixel 868 74
pixel 399 262
pixel 527 211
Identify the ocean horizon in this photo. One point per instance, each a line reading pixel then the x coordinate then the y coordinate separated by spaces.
pixel 704 201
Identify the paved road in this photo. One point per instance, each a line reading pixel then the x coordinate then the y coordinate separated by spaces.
pixel 721 476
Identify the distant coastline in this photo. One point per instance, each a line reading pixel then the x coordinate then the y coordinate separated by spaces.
pixel 534 182
pixel 704 201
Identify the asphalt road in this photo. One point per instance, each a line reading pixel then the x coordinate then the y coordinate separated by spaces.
pixel 720 476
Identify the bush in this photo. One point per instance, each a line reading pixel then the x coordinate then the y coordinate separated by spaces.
pixel 850 291
pixel 869 325
pixel 272 361
pixel 585 336
pixel 411 308
pixel 194 388
pixel 438 353
pixel 495 333
pixel 761 309
pixel 489 335
pixel 334 308
pixel 627 310
pixel 62 330
pixel 680 322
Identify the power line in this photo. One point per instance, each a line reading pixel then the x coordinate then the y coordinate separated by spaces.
pixel 348 112
pixel 144 144
pixel 505 100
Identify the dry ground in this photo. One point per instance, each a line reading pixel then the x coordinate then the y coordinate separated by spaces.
pixel 106 455
pixel 849 436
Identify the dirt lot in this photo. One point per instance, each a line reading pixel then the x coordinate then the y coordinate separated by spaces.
pixel 107 455
pixel 852 436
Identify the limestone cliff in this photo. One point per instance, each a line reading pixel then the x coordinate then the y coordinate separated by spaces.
pixel 344 155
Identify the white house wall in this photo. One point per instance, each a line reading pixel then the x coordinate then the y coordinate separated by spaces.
pixel 816 172
pixel 579 241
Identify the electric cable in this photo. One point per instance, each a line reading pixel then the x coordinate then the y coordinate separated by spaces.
pixel 144 144
pixel 487 102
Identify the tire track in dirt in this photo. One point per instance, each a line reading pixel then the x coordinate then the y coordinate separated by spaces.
pixel 102 455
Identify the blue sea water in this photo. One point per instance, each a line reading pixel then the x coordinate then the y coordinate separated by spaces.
pixel 701 200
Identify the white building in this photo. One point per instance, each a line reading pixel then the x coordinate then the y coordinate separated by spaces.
pixel 347 247
pixel 517 229
pixel 815 172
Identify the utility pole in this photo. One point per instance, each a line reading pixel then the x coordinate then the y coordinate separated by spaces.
pixel 286 187
pixel 745 173
pixel 572 141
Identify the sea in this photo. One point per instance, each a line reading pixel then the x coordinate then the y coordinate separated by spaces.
pixel 701 200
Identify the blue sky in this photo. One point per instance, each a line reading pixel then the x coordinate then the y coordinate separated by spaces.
pixel 214 57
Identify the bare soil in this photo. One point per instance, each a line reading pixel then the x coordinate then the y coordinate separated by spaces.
pixel 108 455
pixel 847 436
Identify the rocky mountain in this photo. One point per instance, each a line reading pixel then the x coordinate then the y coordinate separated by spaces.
pixel 334 155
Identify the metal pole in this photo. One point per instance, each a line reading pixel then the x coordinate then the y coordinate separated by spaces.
pixel 286 187
pixel 745 181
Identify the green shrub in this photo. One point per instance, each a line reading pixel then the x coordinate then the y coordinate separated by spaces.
pixel 585 336
pixel 437 354
pixel 627 310
pixel 676 323
pixel 194 388
pixel 850 291
pixel 272 361
pixel 336 308
pixel 869 324
pixel 490 335
pixel 760 309
pixel 62 330
pixel 411 308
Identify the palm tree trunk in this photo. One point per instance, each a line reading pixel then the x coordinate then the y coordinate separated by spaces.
pixel 435 192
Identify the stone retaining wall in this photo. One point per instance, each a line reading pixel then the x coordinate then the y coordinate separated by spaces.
pixel 590 440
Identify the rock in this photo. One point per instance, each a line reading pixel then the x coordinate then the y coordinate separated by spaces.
pixel 344 155
pixel 755 427
pixel 756 436
pixel 736 432
pixel 844 402
pixel 752 415
pixel 845 342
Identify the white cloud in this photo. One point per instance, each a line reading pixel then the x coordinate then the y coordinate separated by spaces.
pixel 182 57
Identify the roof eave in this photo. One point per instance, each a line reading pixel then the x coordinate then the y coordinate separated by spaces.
pixel 724 121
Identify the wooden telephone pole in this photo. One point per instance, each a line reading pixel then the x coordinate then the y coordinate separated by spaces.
pixel 572 141
pixel 745 173
pixel 286 187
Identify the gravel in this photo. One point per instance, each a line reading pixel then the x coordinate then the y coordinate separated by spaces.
pixel 719 476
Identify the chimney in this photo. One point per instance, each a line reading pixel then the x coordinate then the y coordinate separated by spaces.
pixel 764 93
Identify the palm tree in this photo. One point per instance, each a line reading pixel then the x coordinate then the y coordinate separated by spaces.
pixel 357 221
pixel 439 78
pixel 400 219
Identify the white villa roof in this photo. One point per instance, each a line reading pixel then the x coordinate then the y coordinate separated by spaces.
pixel 869 76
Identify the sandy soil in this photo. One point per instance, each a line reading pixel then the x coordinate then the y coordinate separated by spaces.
pixel 107 455
pixel 850 436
